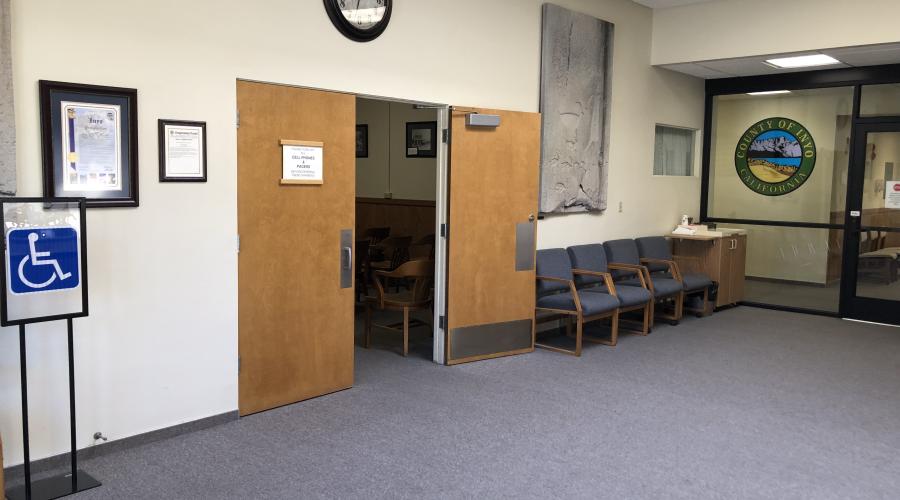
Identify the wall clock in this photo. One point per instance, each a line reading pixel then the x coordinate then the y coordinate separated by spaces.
pixel 360 20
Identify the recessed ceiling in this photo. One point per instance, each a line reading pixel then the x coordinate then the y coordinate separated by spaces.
pixel 865 55
pixel 662 4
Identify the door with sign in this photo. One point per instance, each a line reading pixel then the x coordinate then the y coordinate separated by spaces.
pixel 872 279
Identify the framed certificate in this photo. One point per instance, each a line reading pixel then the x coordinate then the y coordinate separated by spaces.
pixel 89 141
pixel 182 151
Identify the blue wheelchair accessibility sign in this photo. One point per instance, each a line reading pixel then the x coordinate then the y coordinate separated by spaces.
pixel 42 259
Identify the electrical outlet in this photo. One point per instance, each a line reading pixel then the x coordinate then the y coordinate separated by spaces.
pixel 620 207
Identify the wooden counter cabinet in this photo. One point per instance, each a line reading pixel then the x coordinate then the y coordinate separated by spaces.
pixel 721 258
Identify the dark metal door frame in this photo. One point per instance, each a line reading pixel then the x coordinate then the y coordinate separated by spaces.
pixel 853 306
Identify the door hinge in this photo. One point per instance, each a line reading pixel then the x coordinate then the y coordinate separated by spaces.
pixel 238 243
pixel 442 322
pixel 445 136
pixel 237 120
pixel 445 231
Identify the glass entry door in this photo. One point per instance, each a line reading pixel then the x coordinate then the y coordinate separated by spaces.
pixel 871 285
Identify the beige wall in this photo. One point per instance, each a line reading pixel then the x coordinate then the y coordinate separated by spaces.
pixel 160 346
pixel 387 169
pixel 789 254
pixel 740 28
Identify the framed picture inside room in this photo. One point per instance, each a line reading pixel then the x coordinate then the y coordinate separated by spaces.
pixel 89 143
pixel 182 151
pixel 362 141
pixel 421 139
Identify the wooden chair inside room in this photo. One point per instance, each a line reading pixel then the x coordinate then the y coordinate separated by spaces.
pixel 423 248
pixel 361 269
pixel 376 234
pixel 394 251
pixel 421 274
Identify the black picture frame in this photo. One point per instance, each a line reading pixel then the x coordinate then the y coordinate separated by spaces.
pixel 82 208
pixel 353 32
pixel 164 175
pixel 362 141
pixel 415 142
pixel 52 94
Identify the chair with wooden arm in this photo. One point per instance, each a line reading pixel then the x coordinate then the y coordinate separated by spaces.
pixel 557 297
pixel 421 273
pixel 657 255
pixel 665 290
pixel 592 273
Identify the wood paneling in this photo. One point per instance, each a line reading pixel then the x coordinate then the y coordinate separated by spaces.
pixel 405 217
pixel 722 259
pixel 295 322
pixel 493 186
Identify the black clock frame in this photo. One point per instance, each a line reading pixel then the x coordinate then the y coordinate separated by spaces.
pixel 352 32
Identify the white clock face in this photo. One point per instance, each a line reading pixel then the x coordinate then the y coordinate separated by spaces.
pixel 363 14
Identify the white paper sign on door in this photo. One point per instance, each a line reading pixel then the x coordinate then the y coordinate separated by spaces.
pixel 892 194
pixel 302 162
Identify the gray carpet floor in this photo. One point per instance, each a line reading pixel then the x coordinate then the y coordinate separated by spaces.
pixel 747 403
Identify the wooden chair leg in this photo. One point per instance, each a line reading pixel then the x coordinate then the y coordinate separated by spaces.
pixel 614 335
pixel 405 331
pixel 679 306
pixel 652 312
pixel 368 342
pixel 579 327
pixel 648 318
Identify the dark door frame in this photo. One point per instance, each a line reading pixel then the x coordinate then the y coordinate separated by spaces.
pixel 846 77
pixel 853 306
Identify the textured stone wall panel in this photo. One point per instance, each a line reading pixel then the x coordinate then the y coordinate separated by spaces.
pixel 7 114
pixel 576 64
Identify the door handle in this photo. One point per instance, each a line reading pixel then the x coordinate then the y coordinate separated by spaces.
pixel 347 258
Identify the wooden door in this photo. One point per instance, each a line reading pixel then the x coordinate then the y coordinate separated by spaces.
pixel 295 319
pixel 493 194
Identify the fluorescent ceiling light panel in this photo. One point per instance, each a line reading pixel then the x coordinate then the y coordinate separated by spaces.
pixel 802 61
pixel 770 92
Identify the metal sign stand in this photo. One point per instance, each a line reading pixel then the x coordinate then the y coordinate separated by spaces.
pixel 75 480
pixel 57 486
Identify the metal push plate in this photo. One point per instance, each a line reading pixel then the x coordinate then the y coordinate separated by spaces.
pixel 525 246
pixel 346 258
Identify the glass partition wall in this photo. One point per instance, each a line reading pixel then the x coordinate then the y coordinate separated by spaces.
pixel 805 163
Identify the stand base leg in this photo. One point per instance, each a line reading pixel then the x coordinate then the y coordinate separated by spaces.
pixel 54 487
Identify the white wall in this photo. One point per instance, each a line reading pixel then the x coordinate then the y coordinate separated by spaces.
pixel 160 346
pixel 741 28
pixel 387 169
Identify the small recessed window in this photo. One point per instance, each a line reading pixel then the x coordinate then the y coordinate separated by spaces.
pixel 674 151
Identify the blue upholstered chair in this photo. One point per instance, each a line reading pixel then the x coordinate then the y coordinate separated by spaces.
pixel 557 297
pixel 590 267
pixel 627 269
pixel 657 256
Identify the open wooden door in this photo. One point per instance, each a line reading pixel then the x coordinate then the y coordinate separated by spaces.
pixel 295 289
pixel 494 175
